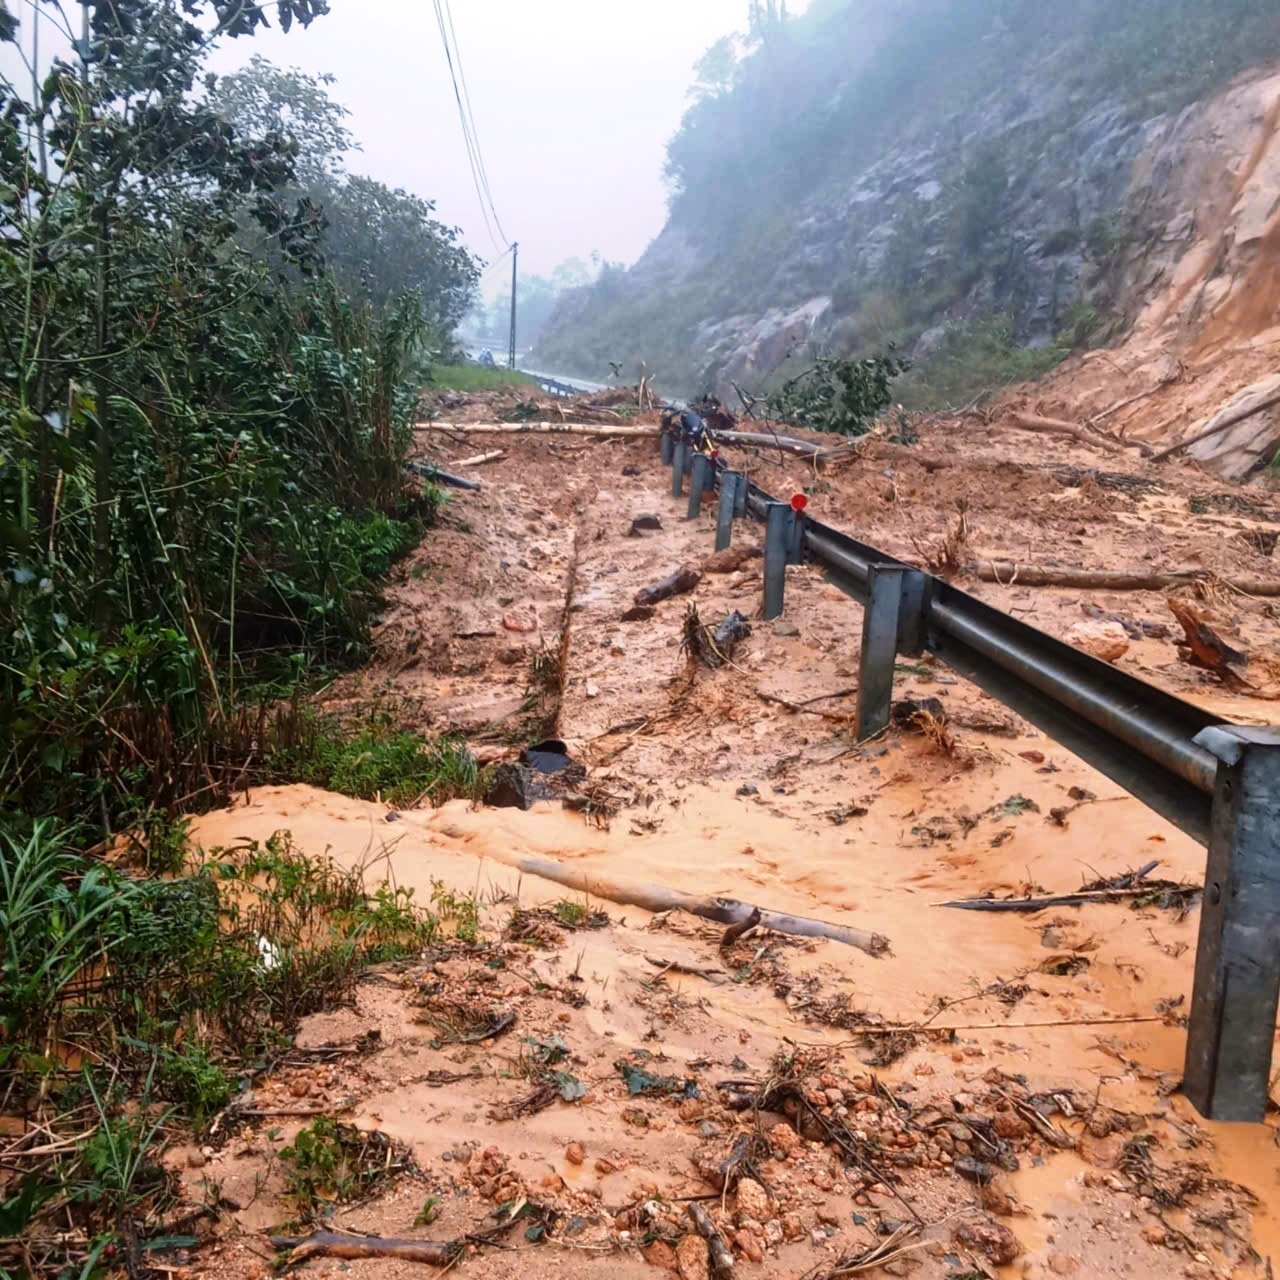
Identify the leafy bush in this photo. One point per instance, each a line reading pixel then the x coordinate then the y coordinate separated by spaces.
pixel 845 396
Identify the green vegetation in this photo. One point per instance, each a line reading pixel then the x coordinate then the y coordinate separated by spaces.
pixel 478 377
pixel 328 1163
pixel 170 988
pixel 378 760
pixel 844 396
pixel 974 360
pixel 215 340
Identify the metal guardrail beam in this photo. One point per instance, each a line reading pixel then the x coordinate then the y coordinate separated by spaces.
pixel 1219 784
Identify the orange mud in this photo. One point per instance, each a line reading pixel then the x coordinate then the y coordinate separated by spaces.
pixel 719 791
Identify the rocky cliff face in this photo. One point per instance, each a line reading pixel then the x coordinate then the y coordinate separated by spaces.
pixel 1203 287
pixel 1020 174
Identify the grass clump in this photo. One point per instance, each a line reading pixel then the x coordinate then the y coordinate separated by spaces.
pixel 478 377
pixel 380 761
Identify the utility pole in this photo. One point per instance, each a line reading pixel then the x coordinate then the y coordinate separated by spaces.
pixel 511 355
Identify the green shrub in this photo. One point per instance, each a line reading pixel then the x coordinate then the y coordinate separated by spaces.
pixel 844 396
pixel 401 766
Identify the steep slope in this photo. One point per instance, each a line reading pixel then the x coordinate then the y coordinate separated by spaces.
pixel 905 173
pixel 1203 288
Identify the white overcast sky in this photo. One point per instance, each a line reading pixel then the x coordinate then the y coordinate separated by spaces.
pixel 574 101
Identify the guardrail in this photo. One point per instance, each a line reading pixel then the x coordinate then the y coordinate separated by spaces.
pixel 555 386
pixel 1218 783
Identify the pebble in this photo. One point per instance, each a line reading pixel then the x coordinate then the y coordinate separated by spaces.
pixel 752 1200
pixel 990 1238
pixel 661 1255
pixel 574 1153
pixel 692 1258
pixel 523 620
pixel 1063 1264
pixel 749 1245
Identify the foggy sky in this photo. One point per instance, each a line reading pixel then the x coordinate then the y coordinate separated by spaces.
pixel 574 101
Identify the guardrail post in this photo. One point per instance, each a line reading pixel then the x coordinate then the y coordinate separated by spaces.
pixel 701 481
pixel 740 498
pixel 667 446
pixel 677 468
pixel 913 635
pixel 881 624
pixel 728 501
pixel 1237 976
pixel 777 541
pixel 795 539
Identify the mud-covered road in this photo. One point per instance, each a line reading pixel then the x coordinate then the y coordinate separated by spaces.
pixel 1052 1043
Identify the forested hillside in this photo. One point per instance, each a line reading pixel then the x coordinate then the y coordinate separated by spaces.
pixel 950 176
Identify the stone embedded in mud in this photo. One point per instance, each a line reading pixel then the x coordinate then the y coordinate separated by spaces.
pixel 731 559
pixel 750 1245
pixel 977 1171
pixel 511 787
pixel 1105 640
pixel 914 713
pixel 643 523
pixel 574 1153
pixel 783 1138
pixel 523 619
pixel 753 1200
pixel 693 1259
pixel 661 1255
pixel 1102 1153
pixel 990 1238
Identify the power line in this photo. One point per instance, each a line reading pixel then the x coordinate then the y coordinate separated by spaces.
pixel 473 150
pixel 471 115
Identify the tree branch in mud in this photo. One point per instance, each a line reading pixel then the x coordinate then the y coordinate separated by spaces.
pixel 721 1256
pixel 726 911
pixel 326 1244
pixel 1219 425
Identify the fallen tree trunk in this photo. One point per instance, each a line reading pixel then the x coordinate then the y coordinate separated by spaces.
pixel 766 439
pixel 1219 425
pixel 1009 573
pixel 685 579
pixel 726 911
pixel 1073 430
pixel 541 429
pixel 326 1244
pixel 481 458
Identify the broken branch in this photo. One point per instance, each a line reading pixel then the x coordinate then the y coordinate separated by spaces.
pixel 326 1244
pixel 726 911
pixel 721 1257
